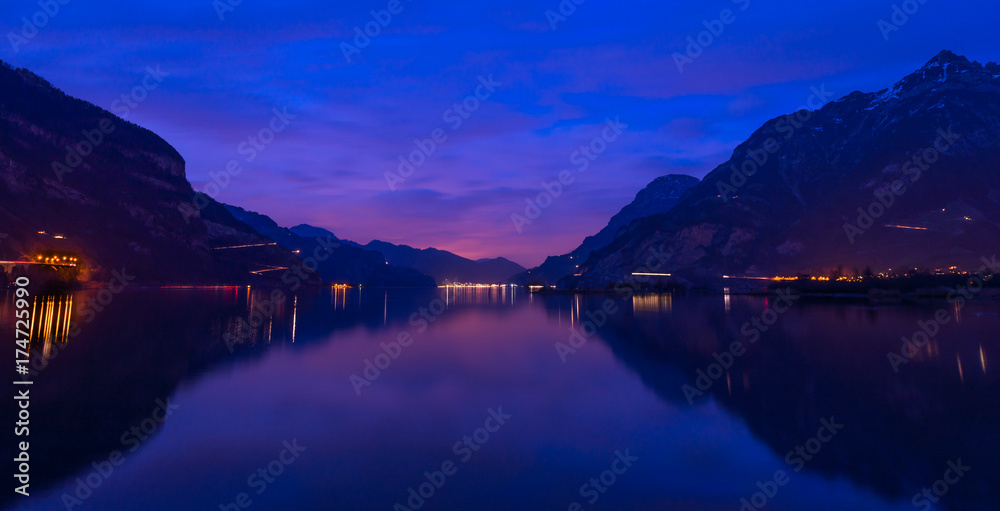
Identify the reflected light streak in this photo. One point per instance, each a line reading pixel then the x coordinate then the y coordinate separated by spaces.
pixel 51 319
pixel 295 311
pixel 653 303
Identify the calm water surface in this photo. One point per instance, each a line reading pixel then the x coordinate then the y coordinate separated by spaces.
pixel 240 397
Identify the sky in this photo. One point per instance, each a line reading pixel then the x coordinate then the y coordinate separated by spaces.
pixel 338 111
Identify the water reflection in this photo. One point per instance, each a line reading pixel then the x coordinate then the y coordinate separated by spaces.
pixel 656 303
pixel 51 322
pixel 821 360
pixel 248 366
pixel 480 294
pixel 50 318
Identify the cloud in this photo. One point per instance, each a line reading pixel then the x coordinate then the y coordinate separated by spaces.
pixel 355 119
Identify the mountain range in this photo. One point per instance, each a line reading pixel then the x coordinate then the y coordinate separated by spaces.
pixel 903 178
pixel 77 181
pixel 446 267
pixel 659 196
pixel 899 179
pixel 338 262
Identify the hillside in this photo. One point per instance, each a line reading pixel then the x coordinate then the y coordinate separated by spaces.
pixel 906 177
pixel 659 196
pixel 77 181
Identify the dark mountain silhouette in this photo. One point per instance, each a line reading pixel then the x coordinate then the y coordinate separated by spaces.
pixel 919 160
pixel 447 267
pixel 444 266
pixel 901 429
pixel 309 231
pixel 343 263
pixel 657 197
pixel 79 181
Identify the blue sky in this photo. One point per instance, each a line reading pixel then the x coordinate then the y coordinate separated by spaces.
pixel 557 87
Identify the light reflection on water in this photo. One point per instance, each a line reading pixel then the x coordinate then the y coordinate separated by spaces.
pixel 289 376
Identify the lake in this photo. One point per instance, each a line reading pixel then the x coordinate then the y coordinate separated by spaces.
pixel 495 399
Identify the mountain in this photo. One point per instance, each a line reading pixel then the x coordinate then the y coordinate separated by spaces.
pixel 77 181
pixel 344 263
pixel 447 267
pixel 444 266
pixel 905 177
pixel 657 197
pixel 309 231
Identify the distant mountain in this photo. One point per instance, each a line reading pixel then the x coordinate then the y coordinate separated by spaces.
pixel 309 231
pixel 659 196
pixel 444 266
pixel 905 177
pixel 346 263
pixel 447 267
pixel 77 181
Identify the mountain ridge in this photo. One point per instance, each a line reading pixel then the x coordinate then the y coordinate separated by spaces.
pixel 791 213
pixel 659 196
pixel 341 262
pixel 80 181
